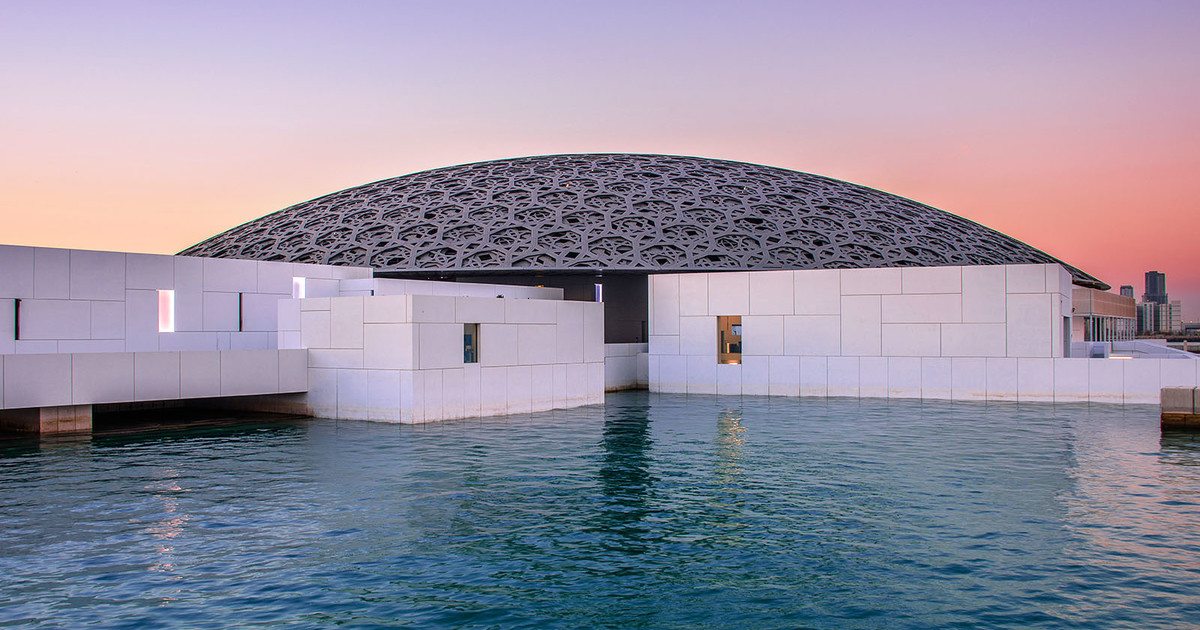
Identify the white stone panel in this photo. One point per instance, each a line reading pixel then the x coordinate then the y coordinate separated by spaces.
pixel 701 375
pixel 983 294
pixel 431 401
pixel 873 377
pixel 322 393
pixel 543 387
pixel 595 383
pixel 388 346
pixel 383 395
pixel 1001 379
pixel 568 337
pixel 498 344
pixel 817 292
pixel 1025 278
pixel 1178 373
pixel 968 378
pixel 663 344
pixel 755 376
pixel 698 336
pixel 904 377
pixel 192 341
pixel 220 312
pixel 974 340
pixel 520 389
pixel 842 374
pixel 189 296
pixel 620 372
pixel 1143 382
pixel 813 335
pixel 577 383
pixel 314 329
pixel 664 304
pixel 289 339
pixel 275 277
pixel 643 368
pixel 918 309
pixel 230 275
pixel 937 378
pixel 200 374
pixel 353 401
pixel 440 346
pixel 346 322
pixel 784 376
pixel 729 293
pixel 16 271
pixel 861 323
pixel 480 310
pixel 8 326
pixel 101 378
pixel 1106 380
pixel 55 319
pixel 293 370
pixel 141 321
pixel 344 358
pixel 530 311
pixel 471 382
pixel 51 274
pixel 762 335
pixel 288 314
pixel 814 376
pixel 91 345
pixel 693 294
pixel 387 309
pixel 729 379
pixel 1029 325
pixel 877 281
pixel 97 275
pixel 536 344
pixel 1070 380
pixel 432 308
pixel 560 385
pixel 493 387
pixel 593 332
pixel 250 372
pixel 1035 379
pixel 24 346
pixel 931 279
pixel 912 340
pixel 672 375
pixel 108 320
pixel 156 375
pixel 772 293
pixel 260 312
pixel 37 380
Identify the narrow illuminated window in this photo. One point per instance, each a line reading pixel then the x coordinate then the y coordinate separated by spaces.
pixel 166 310
pixel 470 343
pixel 298 287
pixel 599 292
pixel 729 339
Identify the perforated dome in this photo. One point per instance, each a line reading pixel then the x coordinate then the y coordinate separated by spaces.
pixel 616 212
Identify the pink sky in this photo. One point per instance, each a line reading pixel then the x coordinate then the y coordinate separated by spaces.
pixel 149 126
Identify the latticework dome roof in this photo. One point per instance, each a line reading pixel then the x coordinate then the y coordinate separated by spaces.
pixel 616 212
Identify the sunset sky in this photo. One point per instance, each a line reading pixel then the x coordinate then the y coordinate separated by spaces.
pixel 149 126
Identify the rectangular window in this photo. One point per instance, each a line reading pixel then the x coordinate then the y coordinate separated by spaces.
pixel 297 287
pixel 470 343
pixel 599 292
pixel 729 339
pixel 166 310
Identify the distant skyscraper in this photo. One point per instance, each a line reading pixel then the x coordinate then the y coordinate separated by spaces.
pixel 1156 288
pixel 1127 290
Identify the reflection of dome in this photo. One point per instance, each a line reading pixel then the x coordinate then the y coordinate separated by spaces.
pixel 618 212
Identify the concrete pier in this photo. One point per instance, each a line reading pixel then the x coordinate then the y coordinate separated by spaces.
pixel 48 420
pixel 1181 408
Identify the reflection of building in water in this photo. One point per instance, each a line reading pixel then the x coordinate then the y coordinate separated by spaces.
pixel 730 440
pixel 169 527
pixel 625 477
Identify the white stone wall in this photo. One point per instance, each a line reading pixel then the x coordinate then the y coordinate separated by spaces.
pixel 626 366
pixel 399 358
pixel 911 332
pixel 77 301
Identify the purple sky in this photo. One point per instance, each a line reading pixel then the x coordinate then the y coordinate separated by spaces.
pixel 1074 126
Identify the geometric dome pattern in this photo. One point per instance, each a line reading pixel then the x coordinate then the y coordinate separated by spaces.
pixel 618 212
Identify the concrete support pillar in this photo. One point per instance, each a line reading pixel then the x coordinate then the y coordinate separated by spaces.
pixel 48 420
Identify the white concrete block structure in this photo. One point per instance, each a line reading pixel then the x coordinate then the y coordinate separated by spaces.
pixel 999 332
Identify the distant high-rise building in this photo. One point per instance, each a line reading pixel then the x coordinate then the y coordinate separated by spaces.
pixel 1156 288
pixel 1127 290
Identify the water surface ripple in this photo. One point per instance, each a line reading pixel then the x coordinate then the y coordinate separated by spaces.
pixel 654 511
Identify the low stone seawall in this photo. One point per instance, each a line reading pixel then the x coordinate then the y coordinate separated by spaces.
pixel 1181 408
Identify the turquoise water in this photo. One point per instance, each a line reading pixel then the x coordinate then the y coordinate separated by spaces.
pixel 654 511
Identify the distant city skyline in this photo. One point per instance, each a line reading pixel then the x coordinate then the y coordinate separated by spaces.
pixel 148 127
